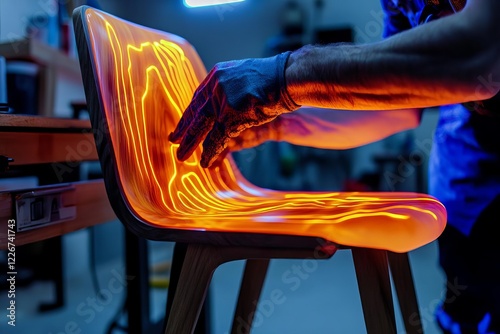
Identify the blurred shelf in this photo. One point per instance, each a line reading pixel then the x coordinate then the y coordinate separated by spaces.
pixel 40 53
pixel 52 63
pixel 25 123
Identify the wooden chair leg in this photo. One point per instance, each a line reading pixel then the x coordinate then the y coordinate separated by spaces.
pixel 374 286
pixel 175 271
pixel 405 289
pixel 205 319
pixel 199 264
pixel 250 290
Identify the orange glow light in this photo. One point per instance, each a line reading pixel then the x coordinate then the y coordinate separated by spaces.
pixel 147 78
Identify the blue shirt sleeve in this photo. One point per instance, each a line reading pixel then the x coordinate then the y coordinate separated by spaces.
pixel 395 19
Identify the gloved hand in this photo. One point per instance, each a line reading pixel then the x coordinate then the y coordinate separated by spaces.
pixel 234 96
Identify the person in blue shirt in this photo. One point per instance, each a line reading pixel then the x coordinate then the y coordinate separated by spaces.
pixel 465 177
pixel 436 53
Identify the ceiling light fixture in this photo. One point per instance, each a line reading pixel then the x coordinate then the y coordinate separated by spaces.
pixel 201 3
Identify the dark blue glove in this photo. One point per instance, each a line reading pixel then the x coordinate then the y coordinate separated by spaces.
pixel 234 96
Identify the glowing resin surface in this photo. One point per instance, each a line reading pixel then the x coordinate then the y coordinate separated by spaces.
pixel 146 79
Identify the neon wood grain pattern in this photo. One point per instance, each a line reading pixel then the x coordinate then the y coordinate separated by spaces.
pixel 146 79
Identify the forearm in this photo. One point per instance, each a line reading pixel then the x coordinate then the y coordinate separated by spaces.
pixel 343 129
pixel 437 63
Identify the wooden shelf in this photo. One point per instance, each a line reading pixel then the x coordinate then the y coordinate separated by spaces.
pixel 44 140
pixel 26 123
pixel 52 61
pixel 40 53
pixel 31 140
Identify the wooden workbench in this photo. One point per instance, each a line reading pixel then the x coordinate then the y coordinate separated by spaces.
pixel 33 140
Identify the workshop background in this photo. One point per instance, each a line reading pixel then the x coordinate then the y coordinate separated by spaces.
pixel 326 299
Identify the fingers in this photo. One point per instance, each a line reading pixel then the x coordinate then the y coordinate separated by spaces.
pixel 180 130
pixel 185 121
pixel 194 135
pixel 200 97
pixel 214 144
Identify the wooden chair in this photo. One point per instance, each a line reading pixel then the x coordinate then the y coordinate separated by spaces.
pixel 138 82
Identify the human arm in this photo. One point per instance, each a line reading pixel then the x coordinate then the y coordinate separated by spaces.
pixel 327 129
pixel 438 63
pixel 442 62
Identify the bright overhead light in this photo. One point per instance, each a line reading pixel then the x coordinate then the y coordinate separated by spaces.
pixel 201 3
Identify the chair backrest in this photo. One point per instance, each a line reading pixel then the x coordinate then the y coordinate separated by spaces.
pixel 138 82
pixel 144 80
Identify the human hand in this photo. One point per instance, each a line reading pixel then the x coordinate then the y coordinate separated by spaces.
pixel 234 96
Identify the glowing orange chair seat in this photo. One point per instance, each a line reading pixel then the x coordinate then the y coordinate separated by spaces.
pixel 138 82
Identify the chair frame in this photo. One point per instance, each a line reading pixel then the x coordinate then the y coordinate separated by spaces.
pixel 206 250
